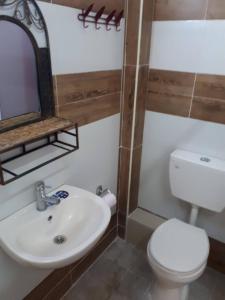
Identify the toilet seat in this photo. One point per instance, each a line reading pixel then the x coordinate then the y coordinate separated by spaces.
pixel 175 277
pixel 179 247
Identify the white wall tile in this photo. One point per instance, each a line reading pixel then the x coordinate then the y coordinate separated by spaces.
pixel 17 281
pixel 75 49
pixel 162 135
pixel 189 46
pixel 93 164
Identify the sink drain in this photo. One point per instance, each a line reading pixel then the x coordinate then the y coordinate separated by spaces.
pixel 59 239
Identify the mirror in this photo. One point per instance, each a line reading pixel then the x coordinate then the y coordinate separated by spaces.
pixel 26 88
pixel 19 94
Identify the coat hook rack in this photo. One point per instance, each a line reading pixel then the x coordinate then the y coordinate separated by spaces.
pixel 111 20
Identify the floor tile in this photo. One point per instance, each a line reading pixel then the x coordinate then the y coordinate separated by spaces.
pixel 123 273
pixel 134 287
pixel 108 271
pixel 89 288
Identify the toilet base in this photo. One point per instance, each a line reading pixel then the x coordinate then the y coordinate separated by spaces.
pixel 164 292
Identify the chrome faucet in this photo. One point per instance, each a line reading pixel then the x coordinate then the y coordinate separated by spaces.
pixel 44 201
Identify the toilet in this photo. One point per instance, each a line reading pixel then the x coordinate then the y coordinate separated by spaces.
pixel 177 251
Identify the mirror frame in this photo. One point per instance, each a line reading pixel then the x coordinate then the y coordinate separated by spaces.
pixel 24 17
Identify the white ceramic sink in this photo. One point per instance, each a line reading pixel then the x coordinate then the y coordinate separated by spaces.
pixel 28 235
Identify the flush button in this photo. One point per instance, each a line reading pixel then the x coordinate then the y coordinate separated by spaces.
pixel 62 194
pixel 205 159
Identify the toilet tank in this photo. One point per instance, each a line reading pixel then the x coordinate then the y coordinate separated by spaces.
pixel 198 179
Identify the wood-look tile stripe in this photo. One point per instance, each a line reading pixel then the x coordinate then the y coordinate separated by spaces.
pixel 88 97
pixel 198 96
pixel 166 10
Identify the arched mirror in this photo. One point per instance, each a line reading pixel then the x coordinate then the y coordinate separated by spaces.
pixel 19 94
pixel 26 92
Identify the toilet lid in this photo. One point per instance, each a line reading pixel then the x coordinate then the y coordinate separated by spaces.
pixel 178 246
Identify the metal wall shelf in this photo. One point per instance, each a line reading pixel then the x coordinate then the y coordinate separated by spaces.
pixel 63 139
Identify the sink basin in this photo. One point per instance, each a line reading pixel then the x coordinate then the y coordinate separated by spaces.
pixel 58 236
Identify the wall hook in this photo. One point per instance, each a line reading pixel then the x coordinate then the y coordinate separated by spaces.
pixel 98 17
pixel 118 20
pixel 109 19
pixel 82 17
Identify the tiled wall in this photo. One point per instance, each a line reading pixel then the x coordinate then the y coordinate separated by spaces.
pixel 82 4
pixel 189 10
pixel 170 92
pixel 88 97
pixel 87 87
pixel 187 66
pixel 185 88
pixel 184 58
pixel 197 96
pixel 78 50
pixel 134 88
pixel 86 67
pixel 95 163
pixel 163 134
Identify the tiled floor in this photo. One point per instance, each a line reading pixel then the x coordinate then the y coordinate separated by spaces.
pixel 122 272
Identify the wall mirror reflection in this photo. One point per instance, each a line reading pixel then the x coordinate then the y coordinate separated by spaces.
pixel 19 91
pixel 26 89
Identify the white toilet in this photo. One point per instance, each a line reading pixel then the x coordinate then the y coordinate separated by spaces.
pixel 177 251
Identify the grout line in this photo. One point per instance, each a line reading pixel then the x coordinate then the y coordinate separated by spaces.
pixel 134 148
pixel 78 74
pixel 126 30
pixel 57 110
pixel 56 90
pixel 192 96
pixel 70 271
pixel 90 99
pixel 135 104
pixel 177 71
pixel 125 148
pixel 122 104
pixel 212 99
pixel 153 12
pixel 122 95
pixel 137 147
pixel 129 65
pixel 141 65
pixel 91 265
pixel 206 9
pixel 123 79
pixel 51 290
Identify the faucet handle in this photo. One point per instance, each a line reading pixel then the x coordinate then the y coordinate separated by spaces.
pixel 48 186
pixel 39 185
pixel 42 185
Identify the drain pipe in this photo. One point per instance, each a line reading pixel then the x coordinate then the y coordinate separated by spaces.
pixel 194 215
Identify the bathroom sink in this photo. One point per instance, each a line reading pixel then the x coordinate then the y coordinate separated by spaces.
pixel 58 236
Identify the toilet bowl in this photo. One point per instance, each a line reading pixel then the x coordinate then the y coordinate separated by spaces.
pixel 177 253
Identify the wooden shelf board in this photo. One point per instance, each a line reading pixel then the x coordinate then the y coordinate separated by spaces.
pixel 30 133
